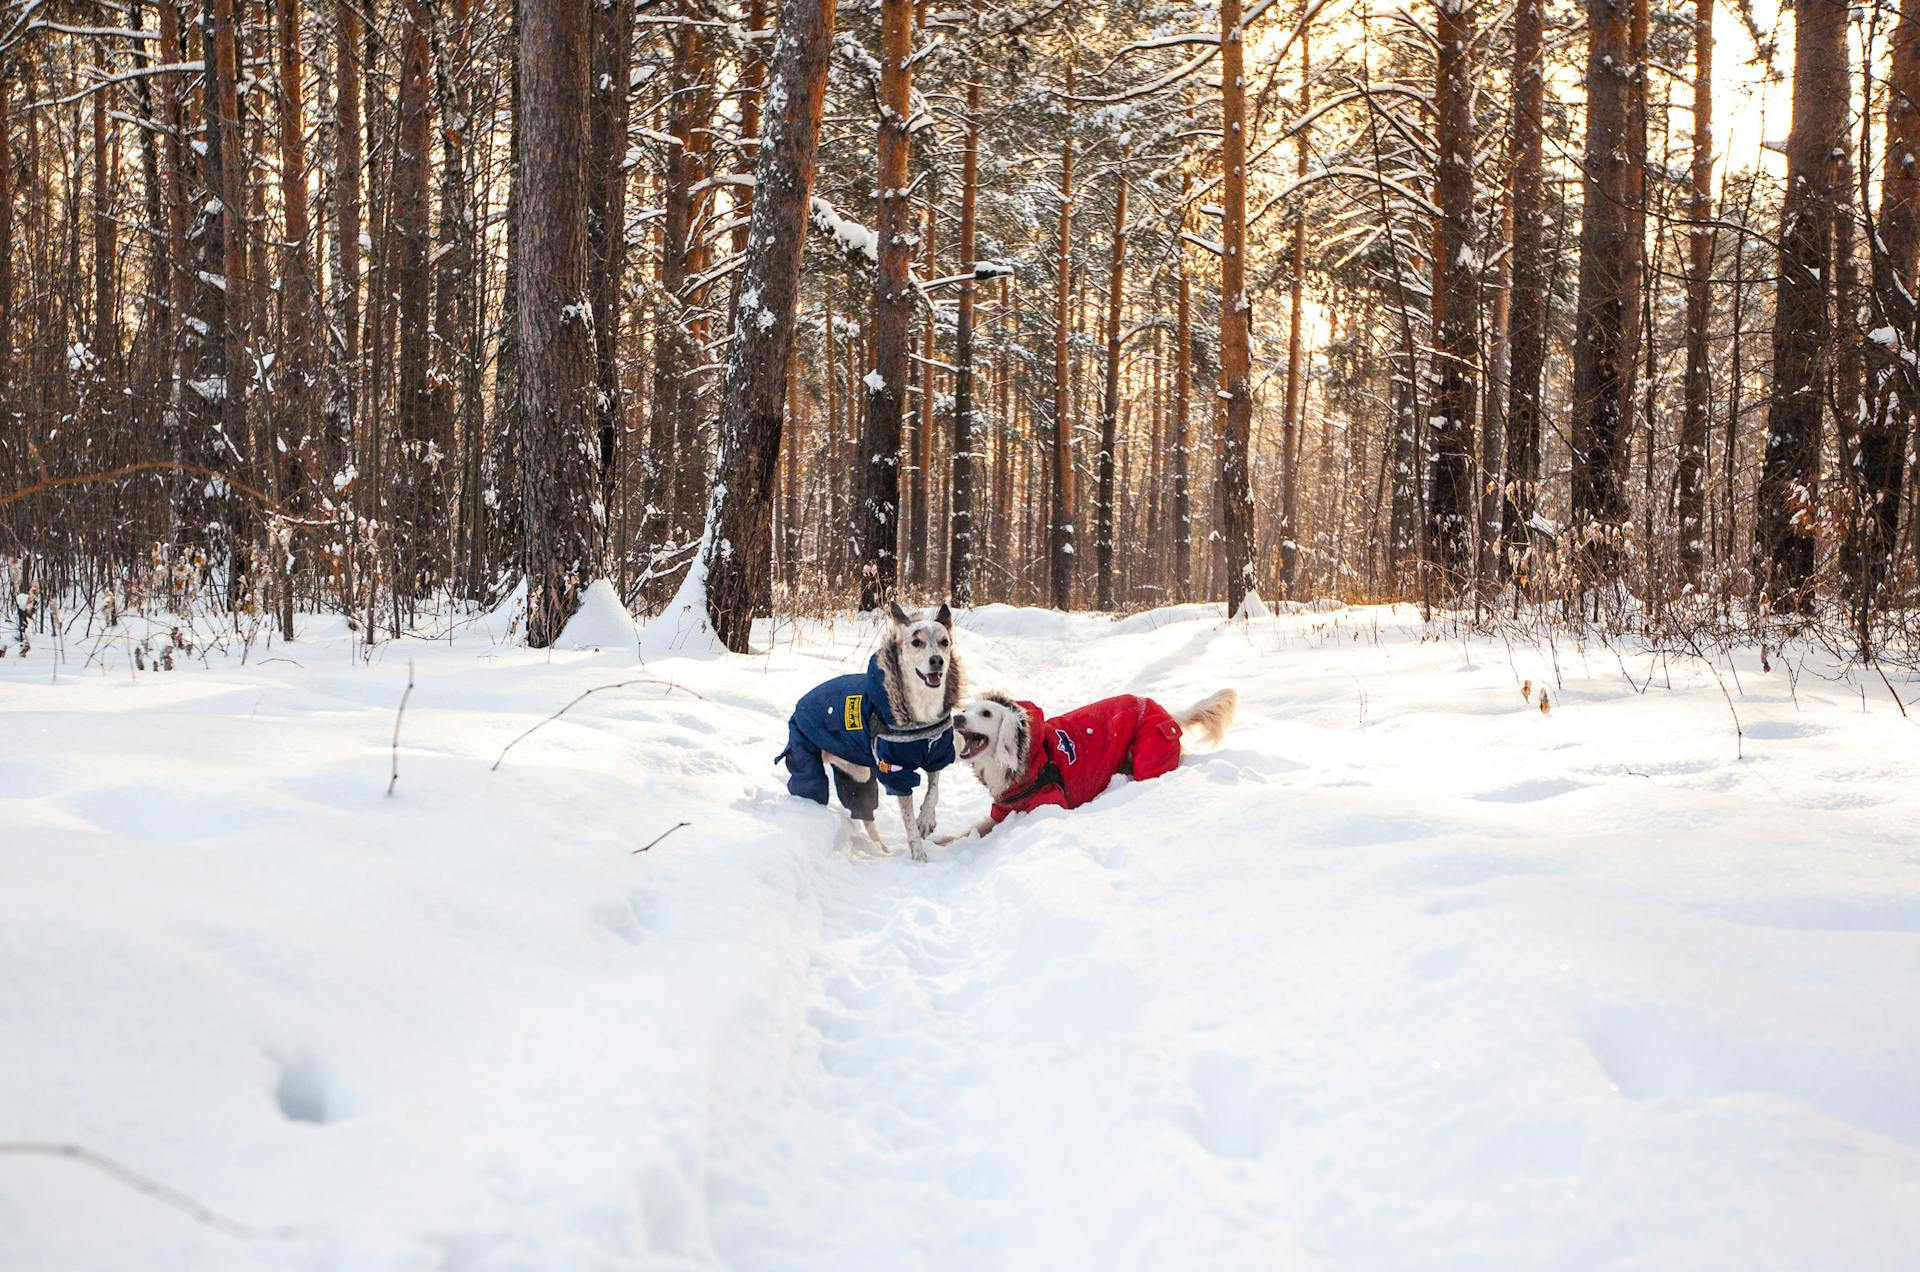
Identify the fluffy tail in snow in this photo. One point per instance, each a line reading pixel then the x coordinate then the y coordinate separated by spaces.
pixel 1211 717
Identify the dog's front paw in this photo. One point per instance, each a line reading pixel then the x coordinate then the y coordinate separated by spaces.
pixel 919 853
pixel 926 822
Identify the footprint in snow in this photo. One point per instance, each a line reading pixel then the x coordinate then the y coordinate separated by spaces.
pixel 307 1091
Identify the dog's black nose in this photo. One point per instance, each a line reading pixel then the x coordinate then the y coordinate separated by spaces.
pixel 937 662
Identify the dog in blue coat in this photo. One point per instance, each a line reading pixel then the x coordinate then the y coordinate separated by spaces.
pixel 884 727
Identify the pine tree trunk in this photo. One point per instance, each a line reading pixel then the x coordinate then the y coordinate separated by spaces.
pixel 1060 554
pixel 294 447
pixel 755 392
pixel 344 280
pixel 425 445
pixel 1691 479
pixel 1457 353
pixel 6 268
pixel 966 437
pixel 1182 408
pixel 1236 316
pixel 1880 449
pixel 1785 502
pixel 105 335
pixel 1527 322
pixel 556 356
pixel 1110 392
pixel 1296 382
pixel 919 564
pixel 607 232
pixel 1606 320
pixel 879 515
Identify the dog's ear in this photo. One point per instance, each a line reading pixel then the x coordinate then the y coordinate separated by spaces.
pixel 945 617
pixel 899 615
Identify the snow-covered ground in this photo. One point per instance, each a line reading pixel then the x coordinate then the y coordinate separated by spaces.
pixel 1407 975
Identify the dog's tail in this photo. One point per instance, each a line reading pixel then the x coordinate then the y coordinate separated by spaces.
pixel 1211 717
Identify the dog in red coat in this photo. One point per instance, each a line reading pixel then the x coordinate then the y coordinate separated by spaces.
pixel 1027 759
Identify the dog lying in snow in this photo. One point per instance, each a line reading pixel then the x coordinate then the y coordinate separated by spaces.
pixel 1026 759
pixel 883 728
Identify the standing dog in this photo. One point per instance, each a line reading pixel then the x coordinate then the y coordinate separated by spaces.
pixel 1025 759
pixel 883 728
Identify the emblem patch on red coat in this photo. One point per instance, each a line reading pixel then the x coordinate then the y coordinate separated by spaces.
pixel 1066 745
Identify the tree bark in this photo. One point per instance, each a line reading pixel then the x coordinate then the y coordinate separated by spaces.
pixel 556 397
pixel 1785 503
pixel 1182 408
pixel 740 517
pixel 1606 320
pixel 1110 391
pixel 1451 510
pixel 966 436
pixel 1236 354
pixel 1296 381
pixel 1691 479
pixel 607 233
pixel 294 447
pixel 892 308
pixel 1060 545
pixel 1527 320
pixel 1879 451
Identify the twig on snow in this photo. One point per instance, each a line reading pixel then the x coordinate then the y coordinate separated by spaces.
pixel 662 835
pixel 669 685
pixel 141 1184
pixel 398 716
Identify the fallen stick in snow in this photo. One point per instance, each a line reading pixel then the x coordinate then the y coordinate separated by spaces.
pixel 142 1184
pixel 398 716
pixel 657 838
pixel 669 685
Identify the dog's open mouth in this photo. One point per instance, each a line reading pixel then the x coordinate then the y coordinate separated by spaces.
pixel 931 679
pixel 971 744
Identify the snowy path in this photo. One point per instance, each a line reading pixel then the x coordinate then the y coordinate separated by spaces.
pixel 1406 975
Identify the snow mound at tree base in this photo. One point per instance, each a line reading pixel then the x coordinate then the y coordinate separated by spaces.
pixel 682 628
pixel 601 622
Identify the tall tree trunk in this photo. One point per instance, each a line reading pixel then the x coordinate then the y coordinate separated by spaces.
pixel 344 275
pixel 740 517
pixel 892 308
pixel 425 441
pixel 296 371
pixel 918 558
pixel 6 255
pixel 1606 320
pixel 607 233
pixel 555 331
pixel 1110 391
pixel 1785 503
pixel 105 334
pixel 1691 479
pixel 1060 554
pixel 1879 452
pixel 1236 317
pixel 1182 403
pixel 1451 511
pixel 1527 320
pixel 214 425
pixel 1296 379
pixel 966 436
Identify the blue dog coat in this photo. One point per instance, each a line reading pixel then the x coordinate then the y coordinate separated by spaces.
pixel 849 716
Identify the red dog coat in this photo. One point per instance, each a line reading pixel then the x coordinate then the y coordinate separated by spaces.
pixel 1074 756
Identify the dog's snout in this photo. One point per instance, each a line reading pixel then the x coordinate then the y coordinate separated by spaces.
pixel 937 661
